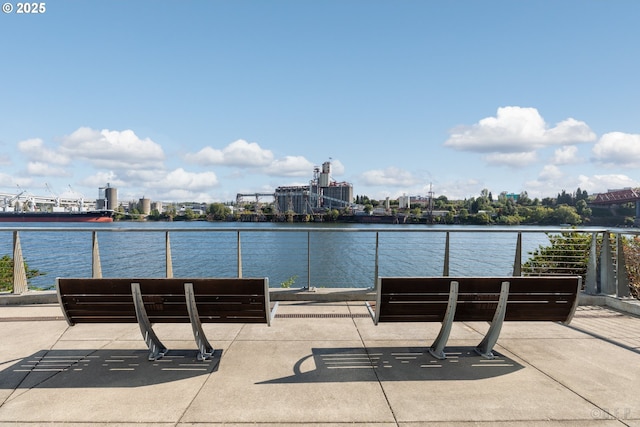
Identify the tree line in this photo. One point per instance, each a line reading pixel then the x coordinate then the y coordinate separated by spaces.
pixel 571 208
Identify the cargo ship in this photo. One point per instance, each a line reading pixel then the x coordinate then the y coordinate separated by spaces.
pixel 104 215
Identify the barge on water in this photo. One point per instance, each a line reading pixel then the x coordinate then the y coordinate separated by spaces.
pixel 105 215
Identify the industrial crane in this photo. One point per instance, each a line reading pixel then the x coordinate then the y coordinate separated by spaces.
pixel 8 202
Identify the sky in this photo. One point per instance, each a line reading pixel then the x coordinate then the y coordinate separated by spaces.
pixel 200 100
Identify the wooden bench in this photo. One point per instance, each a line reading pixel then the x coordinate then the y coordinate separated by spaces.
pixel 470 299
pixel 146 301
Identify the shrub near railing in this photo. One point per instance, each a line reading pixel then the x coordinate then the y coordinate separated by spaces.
pixel 6 273
pixel 567 254
pixel 631 249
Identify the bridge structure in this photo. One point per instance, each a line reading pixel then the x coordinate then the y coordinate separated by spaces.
pixel 618 197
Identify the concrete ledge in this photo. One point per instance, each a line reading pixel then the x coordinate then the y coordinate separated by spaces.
pixel 323 294
pixel 626 305
pixel 31 297
pixel 588 299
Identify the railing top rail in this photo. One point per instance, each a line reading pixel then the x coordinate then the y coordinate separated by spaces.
pixel 322 229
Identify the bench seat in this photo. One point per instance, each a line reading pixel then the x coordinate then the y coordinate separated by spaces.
pixel 152 300
pixel 471 299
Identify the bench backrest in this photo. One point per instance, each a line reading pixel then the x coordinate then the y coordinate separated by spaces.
pixel 424 299
pixel 110 300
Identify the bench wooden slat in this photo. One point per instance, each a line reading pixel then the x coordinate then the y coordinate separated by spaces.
pixel 158 300
pixel 419 299
pixel 491 299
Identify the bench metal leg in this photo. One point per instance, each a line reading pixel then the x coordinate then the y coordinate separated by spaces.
pixel 437 348
pixel 205 349
pixel 485 347
pixel 156 348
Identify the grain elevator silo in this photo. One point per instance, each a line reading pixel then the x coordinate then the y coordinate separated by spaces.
pixel 107 198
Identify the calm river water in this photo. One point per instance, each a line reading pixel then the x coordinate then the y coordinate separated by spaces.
pixel 343 257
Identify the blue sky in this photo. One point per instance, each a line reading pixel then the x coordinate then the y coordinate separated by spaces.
pixel 200 100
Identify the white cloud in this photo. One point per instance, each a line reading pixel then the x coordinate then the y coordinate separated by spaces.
pixel 44 169
pixel 566 155
pixel 603 183
pixel 290 166
pixel 515 130
pixel 460 189
pixel 337 168
pixel 238 153
pixel 546 185
pixel 6 180
pixel 176 185
pixel 36 151
pixel 617 149
pixel 100 179
pixel 514 160
pixel 550 173
pixel 119 150
pixel 181 179
pixel 391 176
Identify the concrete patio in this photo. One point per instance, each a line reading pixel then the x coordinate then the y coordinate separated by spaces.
pixel 319 363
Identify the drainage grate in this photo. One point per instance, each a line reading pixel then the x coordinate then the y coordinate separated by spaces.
pixel 321 316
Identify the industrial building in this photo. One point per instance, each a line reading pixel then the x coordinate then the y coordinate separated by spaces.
pixel 321 194
pixel 107 198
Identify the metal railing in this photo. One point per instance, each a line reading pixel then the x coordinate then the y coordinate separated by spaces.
pixel 596 254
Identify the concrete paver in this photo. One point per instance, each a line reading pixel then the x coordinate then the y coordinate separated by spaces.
pixel 319 364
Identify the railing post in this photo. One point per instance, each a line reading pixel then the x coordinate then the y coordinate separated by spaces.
pixel 517 262
pixel 376 265
pixel 96 267
pixel 607 280
pixel 445 268
pixel 308 260
pixel 19 272
pixel 239 256
pixel 591 282
pixel 622 279
pixel 168 261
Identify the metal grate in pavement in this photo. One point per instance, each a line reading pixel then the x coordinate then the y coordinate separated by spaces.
pixel 321 316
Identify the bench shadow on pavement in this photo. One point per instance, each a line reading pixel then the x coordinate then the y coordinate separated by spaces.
pixel 350 364
pixel 103 368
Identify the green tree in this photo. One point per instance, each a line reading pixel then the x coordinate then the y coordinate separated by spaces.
pixel 482 218
pixel 170 212
pixel 524 199
pixel 449 218
pixel 6 273
pixel 154 215
pixel 582 208
pixel 464 215
pixel 218 212
pixel 566 215
pixel 189 214
pixel 332 215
